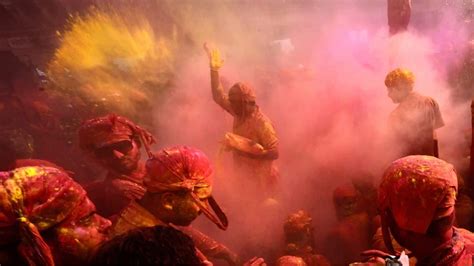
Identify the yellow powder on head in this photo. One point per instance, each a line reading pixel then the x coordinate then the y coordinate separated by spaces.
pixel 399 75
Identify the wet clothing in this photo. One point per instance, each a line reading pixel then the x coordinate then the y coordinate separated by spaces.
pixel 57 206
pixel 413 123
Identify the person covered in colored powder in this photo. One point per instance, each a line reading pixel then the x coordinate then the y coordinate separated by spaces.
pixel 416 201
pixel 178 189
pixel 415 119
pixel 299 240
pixel 115 142
pixel 398 14
pixel 253 140
pixel 352 233
pixel 46 219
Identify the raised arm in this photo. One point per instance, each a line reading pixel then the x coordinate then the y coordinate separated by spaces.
pixel 218 93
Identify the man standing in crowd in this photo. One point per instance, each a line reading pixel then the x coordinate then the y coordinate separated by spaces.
pixel 415 119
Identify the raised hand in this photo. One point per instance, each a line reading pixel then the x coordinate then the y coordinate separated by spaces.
pixel 214 55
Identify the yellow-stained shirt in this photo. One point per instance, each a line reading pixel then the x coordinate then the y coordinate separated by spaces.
pixel 258 128
pixel 133 216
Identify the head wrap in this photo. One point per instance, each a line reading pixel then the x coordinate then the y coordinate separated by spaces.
pixel 35 199
pixel 344 192
pixel 298 230
pixel 298 221
pixel 399 75
pixel 103 131
pixel 290 261
pixel 183 168
pixel 417 190
pixel 244 91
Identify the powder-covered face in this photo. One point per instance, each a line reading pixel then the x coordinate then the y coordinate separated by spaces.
pixel 241 99
pixel 184 209
pixel 122 156
pixel 347 206
pixel 398 92
pixel 237 103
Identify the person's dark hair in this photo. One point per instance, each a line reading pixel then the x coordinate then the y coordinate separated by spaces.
pixel 159 245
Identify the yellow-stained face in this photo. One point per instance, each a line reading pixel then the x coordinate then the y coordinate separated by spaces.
pixel 182 205
pixel 203 191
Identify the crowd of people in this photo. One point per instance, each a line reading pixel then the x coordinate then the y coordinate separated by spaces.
pixel 141 212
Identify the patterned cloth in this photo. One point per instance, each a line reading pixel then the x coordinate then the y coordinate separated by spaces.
pixel 183 168
pixel 458 251
pixel 102 131
pixel 56 205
